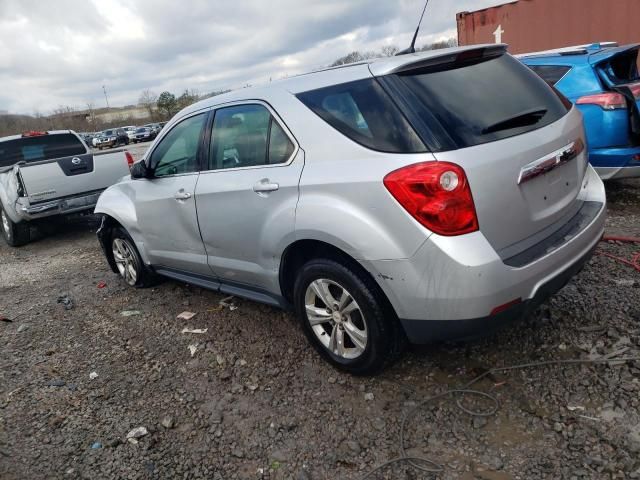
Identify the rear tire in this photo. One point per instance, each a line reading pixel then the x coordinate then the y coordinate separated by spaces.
pixel 130 266
pixel 15 234
pixel 344 317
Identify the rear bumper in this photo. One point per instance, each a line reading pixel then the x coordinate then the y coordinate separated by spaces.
pixel 62 206
pixel 453 284
pixel 613 163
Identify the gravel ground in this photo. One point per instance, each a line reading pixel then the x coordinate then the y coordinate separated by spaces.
pixel 249 398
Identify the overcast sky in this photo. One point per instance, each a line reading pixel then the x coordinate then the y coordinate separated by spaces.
pixel 61 52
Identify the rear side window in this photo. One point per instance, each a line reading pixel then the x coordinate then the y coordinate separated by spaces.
pixel 247 136
pixel 485 100
pixel 551 74
pixel 363 111
pixel 39 148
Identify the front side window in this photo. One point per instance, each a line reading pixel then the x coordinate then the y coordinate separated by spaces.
pixel 177 152
pixel 247 136
pixel 362 111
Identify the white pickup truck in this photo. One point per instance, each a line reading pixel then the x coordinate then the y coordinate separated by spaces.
pixel 43 174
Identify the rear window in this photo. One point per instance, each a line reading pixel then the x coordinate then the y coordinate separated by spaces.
pixel 362 111
pixel 551 74
pixel 476 102
pixel 35 149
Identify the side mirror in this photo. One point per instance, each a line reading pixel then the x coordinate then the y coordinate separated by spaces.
pixel 140 170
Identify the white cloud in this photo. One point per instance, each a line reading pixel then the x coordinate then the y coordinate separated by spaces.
pixel 68 49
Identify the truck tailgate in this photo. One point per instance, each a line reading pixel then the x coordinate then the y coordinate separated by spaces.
pixel 69 176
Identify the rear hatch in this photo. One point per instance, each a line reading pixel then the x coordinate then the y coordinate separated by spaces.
pixel 519 142
pixel 617 69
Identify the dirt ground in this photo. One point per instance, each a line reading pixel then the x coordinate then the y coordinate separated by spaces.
pixel 86 360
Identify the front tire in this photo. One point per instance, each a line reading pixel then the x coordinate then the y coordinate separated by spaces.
pixel 344 317
pixel 128 262
pixel 15 234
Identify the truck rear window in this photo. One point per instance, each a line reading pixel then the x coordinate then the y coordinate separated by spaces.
pixel 475 102
pixel 42 147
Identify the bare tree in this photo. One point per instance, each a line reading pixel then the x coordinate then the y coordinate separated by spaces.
pixel 148 100
pixel 389 50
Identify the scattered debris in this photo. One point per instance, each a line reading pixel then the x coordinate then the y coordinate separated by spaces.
pixel 23 327
pixel 228 302
pixel 56 383
pixel 195 330
pixel 5 319
pixel 66 301
pixel 101 285
pixel 215 309
pixel 167 422
pixel 130 313
pixel 193 349
pixel 136 433
pixel 368 397
pixel 93 375
pixel 577 407
pixel 96 446
pixel 625 282
pixel 186 316
pixel 220 360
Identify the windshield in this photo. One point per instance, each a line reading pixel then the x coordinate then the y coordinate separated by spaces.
pixel 108 133
pixel 479 102
pixel 42 147
pixel 142 130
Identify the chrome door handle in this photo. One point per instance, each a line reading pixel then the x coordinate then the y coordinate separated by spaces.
pixel 265 186
pixel 182 196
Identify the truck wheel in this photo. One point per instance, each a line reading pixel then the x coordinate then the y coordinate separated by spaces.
pixel 15 234
pixel 344 318
pixel 128 261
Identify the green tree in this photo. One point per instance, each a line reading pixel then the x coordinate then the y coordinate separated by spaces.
pixel 167 104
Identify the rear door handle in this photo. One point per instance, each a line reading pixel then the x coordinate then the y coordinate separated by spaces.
pixel 182 195
pixel 265 186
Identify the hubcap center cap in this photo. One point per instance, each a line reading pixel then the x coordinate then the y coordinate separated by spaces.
pixel 337 317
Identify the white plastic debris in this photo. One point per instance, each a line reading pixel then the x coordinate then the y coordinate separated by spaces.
pixel 93 375
pixel 130 313
pixel 368 396
pixel 193 349
pixel 195 330
pixel 186 316
pixel 137 433
pixel 228 302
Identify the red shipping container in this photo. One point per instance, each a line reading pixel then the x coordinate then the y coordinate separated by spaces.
pixel 534 25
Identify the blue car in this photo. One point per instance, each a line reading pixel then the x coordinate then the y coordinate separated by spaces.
pixel 602 80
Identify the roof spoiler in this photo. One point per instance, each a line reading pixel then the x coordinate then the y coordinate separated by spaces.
pixel 572 50
pixel 603 55
pixel 437 58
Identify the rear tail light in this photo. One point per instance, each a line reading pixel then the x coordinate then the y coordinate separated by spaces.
pixel 606 101
pixel 129 158
pixel 437 195
pixel 33 133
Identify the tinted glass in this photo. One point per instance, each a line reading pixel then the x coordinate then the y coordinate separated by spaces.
pixel 550 73
pixel 280 146
pixel 247 136
pixel 484 101
pixel 363 112
pixel 44 147
pixel 177 152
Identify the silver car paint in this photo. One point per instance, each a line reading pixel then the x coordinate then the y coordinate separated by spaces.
pixel 342 201
pixel 48 179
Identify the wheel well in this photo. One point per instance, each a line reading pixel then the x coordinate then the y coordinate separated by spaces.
pixel 300 252
pixel 107 225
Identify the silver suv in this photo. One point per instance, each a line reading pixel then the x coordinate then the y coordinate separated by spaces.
pixel 420 197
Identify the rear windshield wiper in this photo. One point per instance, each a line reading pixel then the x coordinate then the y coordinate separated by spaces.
pixel 524 119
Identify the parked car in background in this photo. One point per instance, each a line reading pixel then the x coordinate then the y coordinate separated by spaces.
pixel 44 174
pixel 381 201
pixel 602 80
pixel 154 126
pixel 130 131
pixel 112 138
pixel 144 134
pixel 95 139
pixel 87 137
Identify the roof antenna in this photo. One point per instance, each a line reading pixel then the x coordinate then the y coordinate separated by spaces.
pixel 412 47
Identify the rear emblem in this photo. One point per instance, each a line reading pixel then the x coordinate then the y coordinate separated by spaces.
pixel 548 163
pixel 76 161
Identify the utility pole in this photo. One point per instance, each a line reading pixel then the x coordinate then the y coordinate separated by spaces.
pixel 104 89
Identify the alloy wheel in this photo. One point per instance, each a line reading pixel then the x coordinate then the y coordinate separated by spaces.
pixel 335 318
pixel 125 260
